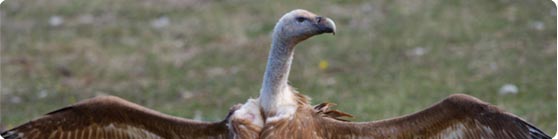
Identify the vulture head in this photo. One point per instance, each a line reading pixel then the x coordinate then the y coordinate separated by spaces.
pixel 299 25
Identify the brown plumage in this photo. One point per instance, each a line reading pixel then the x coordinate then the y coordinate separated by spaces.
pixel 243 129
pixel 458 116
pixel 110 117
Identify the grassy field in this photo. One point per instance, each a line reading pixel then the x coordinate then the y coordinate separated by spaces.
pixel 196 58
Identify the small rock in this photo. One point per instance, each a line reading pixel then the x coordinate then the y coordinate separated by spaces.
pixel 55 21
pixel 417 52
pixel 42 94
pixel 537 25
pixel 160 22
pixel 508 89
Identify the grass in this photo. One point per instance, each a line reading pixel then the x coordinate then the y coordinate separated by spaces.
pixel 388 58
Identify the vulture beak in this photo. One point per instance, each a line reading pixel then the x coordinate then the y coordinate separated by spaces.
pixel 325 25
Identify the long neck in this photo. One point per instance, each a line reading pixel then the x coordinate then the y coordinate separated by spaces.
pixel 275 91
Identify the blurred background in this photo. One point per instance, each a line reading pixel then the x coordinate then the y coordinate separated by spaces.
pixel 197 58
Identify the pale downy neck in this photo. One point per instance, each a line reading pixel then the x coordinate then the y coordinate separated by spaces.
pixel 275 91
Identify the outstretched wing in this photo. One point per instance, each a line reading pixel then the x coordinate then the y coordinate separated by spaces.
pixel 458 116
pixel 113 118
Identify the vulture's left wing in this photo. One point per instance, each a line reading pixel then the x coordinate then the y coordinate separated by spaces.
pixel 457 117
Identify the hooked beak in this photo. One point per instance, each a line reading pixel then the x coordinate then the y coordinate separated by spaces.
pixel 325 25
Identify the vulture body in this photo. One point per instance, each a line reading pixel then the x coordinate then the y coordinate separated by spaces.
pixel 109 117
pixel 288 114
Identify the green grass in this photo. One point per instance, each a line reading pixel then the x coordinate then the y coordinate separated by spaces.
pixel 212 55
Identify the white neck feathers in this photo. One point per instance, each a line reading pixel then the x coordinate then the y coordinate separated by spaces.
pixel 275 90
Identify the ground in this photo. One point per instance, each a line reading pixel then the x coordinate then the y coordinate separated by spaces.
pixel 197 58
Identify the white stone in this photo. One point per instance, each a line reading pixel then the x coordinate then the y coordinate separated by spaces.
pixel 55 21
pixel 537 25
pixel 417 51
pixel 42 94
pixel 508 89
pixel 160 22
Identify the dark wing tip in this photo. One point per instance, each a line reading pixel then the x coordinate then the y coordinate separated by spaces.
pixel 534 132
pixel 10 135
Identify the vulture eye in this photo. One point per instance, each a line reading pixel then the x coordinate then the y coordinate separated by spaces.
pixel 300 19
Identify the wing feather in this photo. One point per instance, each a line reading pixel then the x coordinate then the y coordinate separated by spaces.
pixel 458 116
pixel 112 117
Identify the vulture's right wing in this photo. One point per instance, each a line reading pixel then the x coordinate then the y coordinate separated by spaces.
pixel 114 118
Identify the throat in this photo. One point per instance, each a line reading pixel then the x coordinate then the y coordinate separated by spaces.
pixel 276 96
